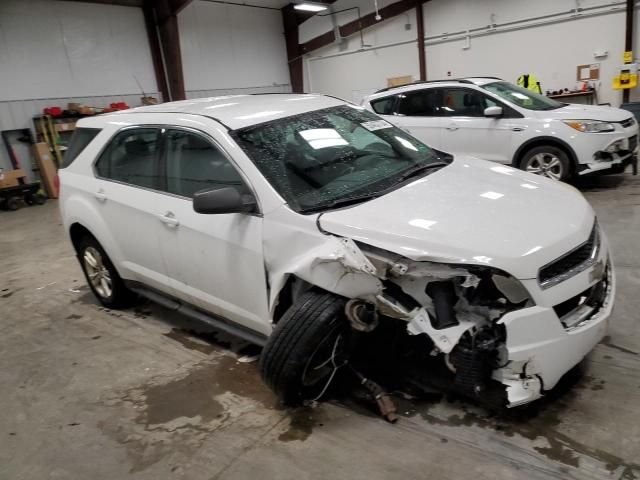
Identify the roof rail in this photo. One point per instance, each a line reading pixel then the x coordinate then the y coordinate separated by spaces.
pixel 483 76
pixel 419 82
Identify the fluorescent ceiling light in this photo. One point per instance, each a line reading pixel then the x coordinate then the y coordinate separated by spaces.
pixel 310 7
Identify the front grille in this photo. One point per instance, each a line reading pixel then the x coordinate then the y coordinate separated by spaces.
pixel 572 263
pixel 583 306
pixel 627 123
pixel 633 143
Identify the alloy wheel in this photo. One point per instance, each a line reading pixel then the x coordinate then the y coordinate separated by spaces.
pixel 97 272
pixel 547 165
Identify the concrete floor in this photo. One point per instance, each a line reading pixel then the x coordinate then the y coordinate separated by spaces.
pixel 91 393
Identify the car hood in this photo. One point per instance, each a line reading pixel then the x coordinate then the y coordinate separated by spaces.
pixel 472 212
pixel 587 112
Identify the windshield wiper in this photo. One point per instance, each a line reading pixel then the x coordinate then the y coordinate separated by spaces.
pixel 418 169
pixel 341 202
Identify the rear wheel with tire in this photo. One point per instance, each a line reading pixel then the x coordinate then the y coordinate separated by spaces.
pixel 101 275
pixel 307 349
pixel 548 161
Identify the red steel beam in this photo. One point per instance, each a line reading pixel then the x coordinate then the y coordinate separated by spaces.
pixel 290 21
pixel 355 26
pixel 164 14
pixel 422 58
pixel 156 52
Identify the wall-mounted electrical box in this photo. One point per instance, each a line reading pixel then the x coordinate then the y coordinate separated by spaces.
pixel 627 78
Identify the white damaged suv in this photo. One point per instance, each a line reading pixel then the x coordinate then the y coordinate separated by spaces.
pixel 495 120
pixel 341 244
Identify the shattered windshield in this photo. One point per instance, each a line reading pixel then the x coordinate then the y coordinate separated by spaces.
pixel 335 156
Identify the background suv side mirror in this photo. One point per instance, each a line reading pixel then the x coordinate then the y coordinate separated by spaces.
pixel 493 111
pixel 223 200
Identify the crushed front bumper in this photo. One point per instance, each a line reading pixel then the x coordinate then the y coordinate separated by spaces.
pixel 610 165
pixel 541 349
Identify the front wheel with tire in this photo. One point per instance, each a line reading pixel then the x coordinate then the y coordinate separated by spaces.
pixel 307 348
pixel 101 275
pixel 548 161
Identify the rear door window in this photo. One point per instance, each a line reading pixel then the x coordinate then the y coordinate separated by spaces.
pixel 132 158
pixel 79 141
pixel 465 102
pixel 421 103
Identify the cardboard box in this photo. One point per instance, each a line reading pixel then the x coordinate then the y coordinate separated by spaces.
pixel 11 178
pixel 48 170
pixel 65 127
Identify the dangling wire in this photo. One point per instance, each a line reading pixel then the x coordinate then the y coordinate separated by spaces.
pixel 336 367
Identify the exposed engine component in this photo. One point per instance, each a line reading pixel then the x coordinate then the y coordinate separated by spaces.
pixel 443 295
pixel 385 405
pixel 362 315
pixel 474 359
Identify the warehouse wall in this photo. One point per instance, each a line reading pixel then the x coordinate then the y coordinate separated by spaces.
pixel 350 71
pixel 54 52
pixel 232 49
pixel 551 47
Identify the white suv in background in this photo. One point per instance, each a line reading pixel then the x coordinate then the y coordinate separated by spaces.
pixel 495 120
pixel 312 226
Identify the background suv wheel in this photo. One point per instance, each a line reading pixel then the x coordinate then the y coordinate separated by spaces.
pixel 101 275
pixel 548 161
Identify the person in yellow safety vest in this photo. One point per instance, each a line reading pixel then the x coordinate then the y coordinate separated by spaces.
pixel 530 82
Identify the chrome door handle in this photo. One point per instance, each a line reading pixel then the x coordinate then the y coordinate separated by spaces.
pixel 100 195
pixel 169 219
pixel 453 127
pixel 517 129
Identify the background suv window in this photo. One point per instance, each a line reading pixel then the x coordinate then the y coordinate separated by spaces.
pixel 421 103
pixel 464 102
pixel 384 106
pixel 193 163
pixel 131 158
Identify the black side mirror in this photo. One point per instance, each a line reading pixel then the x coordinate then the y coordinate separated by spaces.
pixel 223 200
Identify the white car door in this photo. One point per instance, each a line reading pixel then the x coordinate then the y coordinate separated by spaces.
pixel 418 113
pixel 466 130
pixel 126 194
pixel 215 261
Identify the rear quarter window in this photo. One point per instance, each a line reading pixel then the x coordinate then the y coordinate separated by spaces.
pixel 79 141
